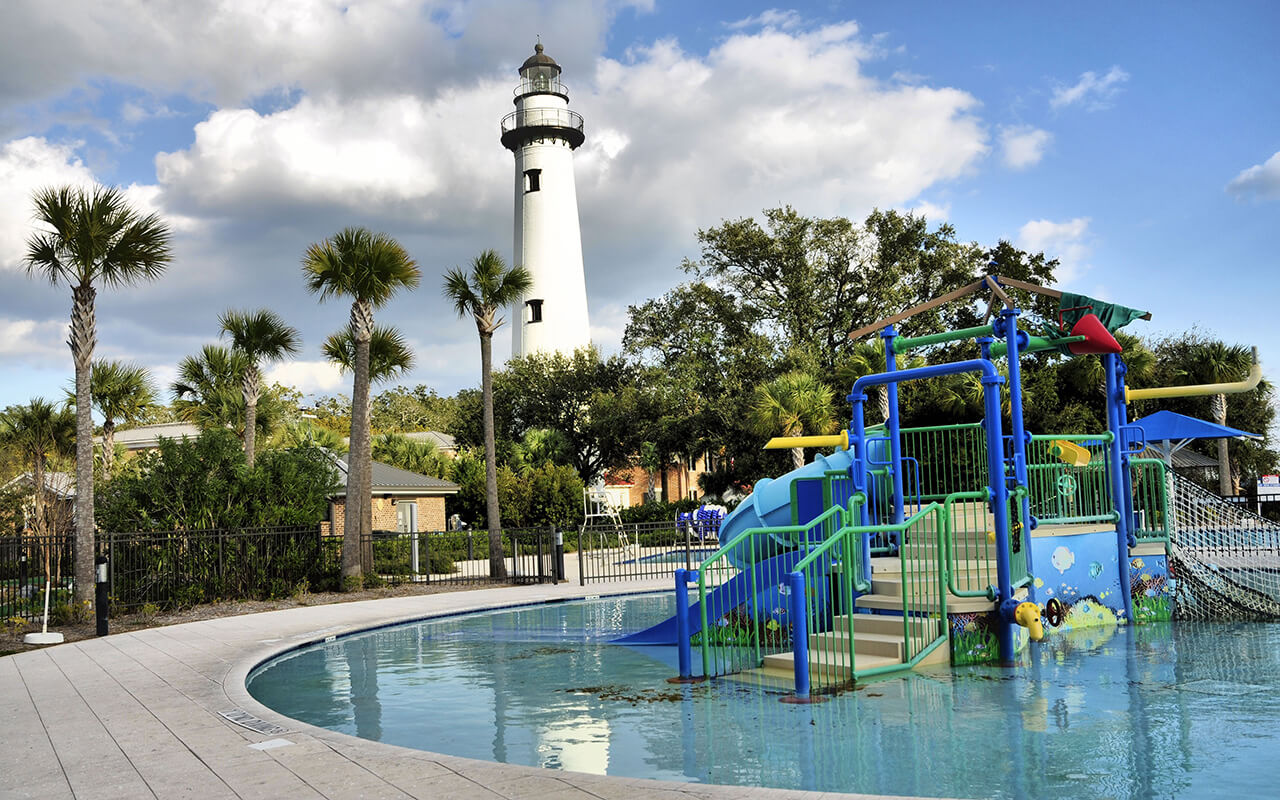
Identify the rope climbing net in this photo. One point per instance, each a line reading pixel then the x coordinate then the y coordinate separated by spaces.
pixel 1225 558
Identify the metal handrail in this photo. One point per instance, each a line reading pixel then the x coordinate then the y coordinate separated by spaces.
pixel 541 87
pixel 542 118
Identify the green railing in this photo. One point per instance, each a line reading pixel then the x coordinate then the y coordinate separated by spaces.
pixel 1062 494
pixel 952 458
pixel 1150 500
pixel 745 619
pixel 832 574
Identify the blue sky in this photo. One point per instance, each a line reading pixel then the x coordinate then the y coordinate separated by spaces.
pixel 1137 142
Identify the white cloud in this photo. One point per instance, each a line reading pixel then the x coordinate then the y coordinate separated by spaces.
pixel 1092 91
pixel 27 165
pixel 1023 146
pixel 1065 241
pixel 1261 181
pixel 771 18
pixel 229 51
pixel 308 376
pixel 34 343
pixel 397 155
pixel 932 211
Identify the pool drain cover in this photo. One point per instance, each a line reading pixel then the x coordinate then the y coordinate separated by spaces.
pixel 246 720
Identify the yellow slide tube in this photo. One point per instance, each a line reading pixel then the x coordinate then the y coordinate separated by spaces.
pixel 1248 384
pixel 839 440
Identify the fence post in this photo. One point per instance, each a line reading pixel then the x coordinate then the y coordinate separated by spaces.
pixel 426 545
pixel 542 566
pixel 582 573
pixel 413 548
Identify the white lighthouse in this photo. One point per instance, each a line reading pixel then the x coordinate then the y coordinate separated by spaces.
pixel 543 133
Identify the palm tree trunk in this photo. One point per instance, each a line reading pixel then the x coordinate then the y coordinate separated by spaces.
pixel 357 504
pixel 497 565
pixel 82 340
pixel 797 457
pixel 1218 407
pixel 108 445
pixel 250 392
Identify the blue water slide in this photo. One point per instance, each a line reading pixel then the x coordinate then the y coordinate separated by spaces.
pixel 769 506
pixel 767 579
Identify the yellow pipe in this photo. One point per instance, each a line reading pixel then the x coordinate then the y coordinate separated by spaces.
pixel 1248 384
pixel 839 440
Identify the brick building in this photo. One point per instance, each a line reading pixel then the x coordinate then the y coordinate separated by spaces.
pixel 402 500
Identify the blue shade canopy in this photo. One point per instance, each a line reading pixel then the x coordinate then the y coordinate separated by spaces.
pixel 1170 426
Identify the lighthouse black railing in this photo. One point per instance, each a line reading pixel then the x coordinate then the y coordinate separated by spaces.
pixel 542 118
pixel 541 86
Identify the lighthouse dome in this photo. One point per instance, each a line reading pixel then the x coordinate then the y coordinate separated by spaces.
pixel 540 62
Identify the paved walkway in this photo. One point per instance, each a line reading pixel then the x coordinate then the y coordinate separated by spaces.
pixel 137 715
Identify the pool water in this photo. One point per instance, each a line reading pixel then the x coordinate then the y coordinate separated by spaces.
pixel 1164 710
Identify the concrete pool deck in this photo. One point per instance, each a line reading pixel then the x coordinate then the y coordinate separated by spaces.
pixel 140 714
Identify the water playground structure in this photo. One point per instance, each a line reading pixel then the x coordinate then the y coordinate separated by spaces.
pixel 958 544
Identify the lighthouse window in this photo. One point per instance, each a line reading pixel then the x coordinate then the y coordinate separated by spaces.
pixel 532 180
pixel 535 310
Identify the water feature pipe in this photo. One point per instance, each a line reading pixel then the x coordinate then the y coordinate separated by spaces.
pixel 1009 322
pixel 1113 368
pixel 894 430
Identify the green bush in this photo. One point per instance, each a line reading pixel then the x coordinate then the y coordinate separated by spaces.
pixel 204 483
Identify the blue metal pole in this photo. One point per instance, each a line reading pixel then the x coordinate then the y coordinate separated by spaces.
pixel 799 635
pixel 1112 367
pixel 683 637
pixel 1000 510
pixel 895 435
pixel 858 443
pixel 1017 430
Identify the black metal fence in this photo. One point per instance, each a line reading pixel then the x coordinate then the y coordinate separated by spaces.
pixel 175 569
pixel 182 568
pixel 621 552
pixel 462 557
pixel 23 575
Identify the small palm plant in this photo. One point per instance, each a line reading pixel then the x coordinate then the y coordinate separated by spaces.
pixel 261 337
pixel 121 393
pixel 388 355
pixel 793 404
pixel 480 294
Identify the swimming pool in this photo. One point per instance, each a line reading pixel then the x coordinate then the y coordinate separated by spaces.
pixel 1175 709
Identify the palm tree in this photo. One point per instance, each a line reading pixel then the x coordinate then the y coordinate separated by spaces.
pixel 792 405
pixel 369 268
pixel 389 355
pixel 263 337
pixel 207 391
pixel 489 287
pixel 304 433
pixel 36 433
pixel 867 358
pixel 1218 362
pixel 91 236
pixel 121 393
